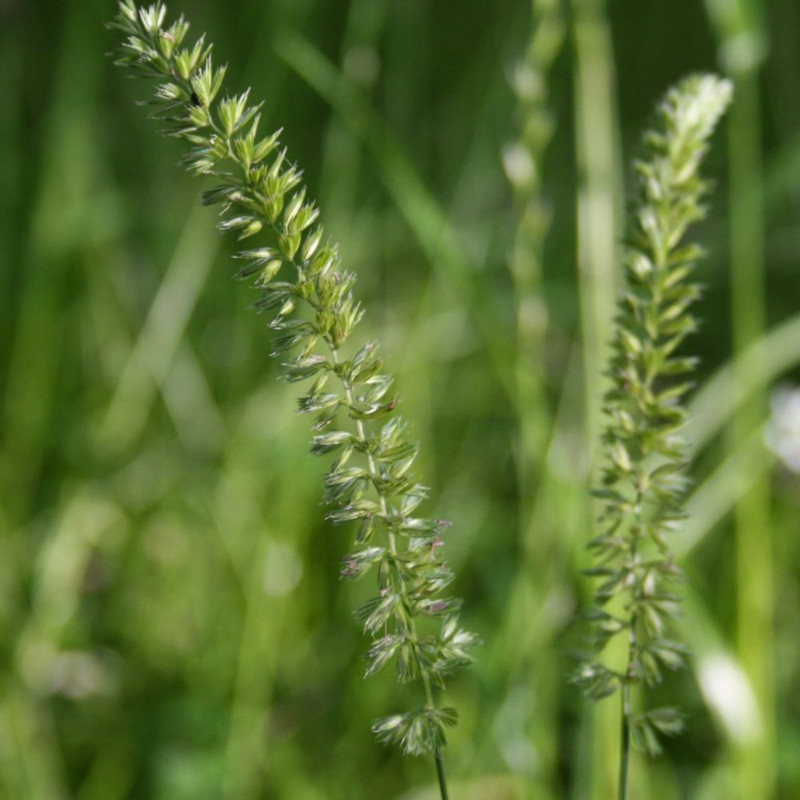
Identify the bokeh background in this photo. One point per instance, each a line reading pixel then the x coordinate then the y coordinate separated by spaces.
pixel 172 625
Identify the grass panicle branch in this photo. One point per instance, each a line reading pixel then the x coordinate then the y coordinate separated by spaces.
pixel 309 295
pixel 643 483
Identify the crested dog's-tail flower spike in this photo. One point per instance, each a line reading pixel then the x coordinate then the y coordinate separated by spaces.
pixel 308 294
pixel 643 483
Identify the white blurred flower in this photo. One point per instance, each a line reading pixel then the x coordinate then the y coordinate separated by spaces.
pixel 519 165
pixel 730 696
pixel 782 433
pixel 282 569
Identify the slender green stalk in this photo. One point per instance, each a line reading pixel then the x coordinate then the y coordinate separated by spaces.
pixel 740 30
pixel 523 162
pixel 440 774
pixel 528 633
pixel 752 513
pixel 599 175
pixel 625 743
pixel 371 482
pixel 642 487
pixel 598 234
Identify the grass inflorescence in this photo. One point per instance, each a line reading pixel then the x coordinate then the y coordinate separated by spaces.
pixel 309 295
pixel 643 484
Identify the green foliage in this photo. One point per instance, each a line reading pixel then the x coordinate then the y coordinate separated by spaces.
pixel 313 313
pixel 173 623
pixel 643 483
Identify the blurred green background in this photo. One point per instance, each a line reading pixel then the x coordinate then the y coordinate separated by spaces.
pixel 171 620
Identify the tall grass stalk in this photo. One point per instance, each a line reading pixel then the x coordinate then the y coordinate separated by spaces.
pixel 523 162
pixel 524 166
pixel 755 574
pixel 642 487
pixel 301 281
pixel 599 176
pixel 742 47
pixel 740 34
pixel 599 231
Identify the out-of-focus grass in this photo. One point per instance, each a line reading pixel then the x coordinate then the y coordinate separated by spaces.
pixel 599 227
pixel 171 622
pixel 741 36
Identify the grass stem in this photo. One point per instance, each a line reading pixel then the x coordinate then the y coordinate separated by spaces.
pixel 625 743
pixel 741 34
pixel 755 573
pixel 599 217
pixel 440 774
pixel 599 228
